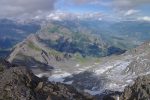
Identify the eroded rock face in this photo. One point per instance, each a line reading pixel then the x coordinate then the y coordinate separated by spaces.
pixel 140 90
pixel 19 83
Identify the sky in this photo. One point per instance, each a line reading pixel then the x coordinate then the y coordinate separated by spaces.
pixel 104 9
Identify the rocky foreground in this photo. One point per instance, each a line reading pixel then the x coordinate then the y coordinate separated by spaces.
pixel 18 83
pixel 139 91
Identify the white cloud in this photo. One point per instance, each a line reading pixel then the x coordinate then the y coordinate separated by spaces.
pixel 10 8
pixel 145 18
pixel 131 12
pixel 40 8
pixel 60 15
pixel 57 15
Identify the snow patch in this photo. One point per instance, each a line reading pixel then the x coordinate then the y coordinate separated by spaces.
pixel 93 92
pixel 69 82
pixel 112 85
pixel 121 66
pixel 42 74
pixel 94 88
pixel 77 65
pixel 102 70
pixel 59 77
pixel 129 81
pixel 82 69
pixel 115 66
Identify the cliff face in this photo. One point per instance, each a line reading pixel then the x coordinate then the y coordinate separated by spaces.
pixel 19 83
pixel 140 90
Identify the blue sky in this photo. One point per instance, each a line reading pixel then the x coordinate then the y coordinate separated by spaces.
pixel 126 9
pixel 105 6
pixel 70 6
pixel 110 9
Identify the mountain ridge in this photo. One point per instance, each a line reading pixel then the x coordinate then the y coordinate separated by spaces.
pixel 54 43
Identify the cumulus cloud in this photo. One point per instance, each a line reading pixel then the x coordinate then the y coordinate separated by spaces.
pixel 145 18
pixel 40 8
pixel 10 8
pixel 131 12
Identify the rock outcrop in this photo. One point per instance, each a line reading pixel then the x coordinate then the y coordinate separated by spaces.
pixel 19 83
pixel 140 90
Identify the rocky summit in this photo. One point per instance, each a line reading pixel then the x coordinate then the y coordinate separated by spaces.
pixel 19 83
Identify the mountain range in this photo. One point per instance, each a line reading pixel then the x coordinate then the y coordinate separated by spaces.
pixel 101 58
pixel 13 32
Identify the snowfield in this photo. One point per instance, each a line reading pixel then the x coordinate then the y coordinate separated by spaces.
pixel 118 73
